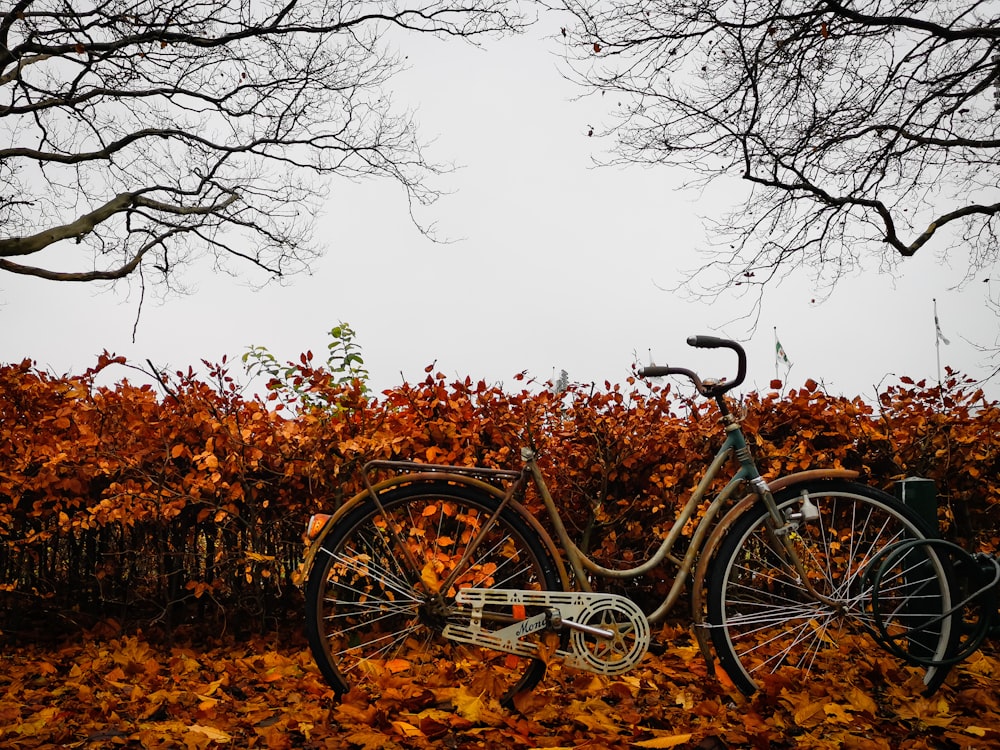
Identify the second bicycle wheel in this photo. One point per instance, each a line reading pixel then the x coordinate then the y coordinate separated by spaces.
pixel 765 616
pixel 377 599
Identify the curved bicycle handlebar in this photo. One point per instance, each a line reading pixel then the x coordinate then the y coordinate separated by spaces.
pixel 706 389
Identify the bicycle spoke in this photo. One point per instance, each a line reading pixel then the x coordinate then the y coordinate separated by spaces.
pixel 384 577
pixel 791 640
pixel 394 639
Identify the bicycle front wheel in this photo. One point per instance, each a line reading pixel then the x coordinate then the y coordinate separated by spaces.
pixel 376 601
pixel 768 615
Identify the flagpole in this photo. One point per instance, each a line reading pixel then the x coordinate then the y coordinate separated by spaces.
pixel 937 344
pixel 776 353
pixel 938 338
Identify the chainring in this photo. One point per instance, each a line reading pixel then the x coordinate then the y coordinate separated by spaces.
pixel 620 652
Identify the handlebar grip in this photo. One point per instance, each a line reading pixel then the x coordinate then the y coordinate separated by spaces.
pixel 714 342
pixel 654 371
pixel 708 342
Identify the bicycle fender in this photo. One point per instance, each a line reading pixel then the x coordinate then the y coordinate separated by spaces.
pixel 722 528
pixel 431 478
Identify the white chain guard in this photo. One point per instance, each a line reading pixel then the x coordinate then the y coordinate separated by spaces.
pixel 588 652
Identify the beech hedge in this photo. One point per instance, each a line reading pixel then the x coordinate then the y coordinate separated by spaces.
pixel 185 503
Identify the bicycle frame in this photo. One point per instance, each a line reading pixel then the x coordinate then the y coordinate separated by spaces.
pixel 733 446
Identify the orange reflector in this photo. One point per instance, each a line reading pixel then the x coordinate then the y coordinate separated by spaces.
pixel 519 612
pixel 316 524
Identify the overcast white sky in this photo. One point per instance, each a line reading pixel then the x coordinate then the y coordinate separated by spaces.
pixel 556 265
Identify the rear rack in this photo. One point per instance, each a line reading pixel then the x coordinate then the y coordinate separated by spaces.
pixel 495 477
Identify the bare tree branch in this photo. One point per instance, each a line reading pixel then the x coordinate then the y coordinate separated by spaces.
pixel 863 129
pixel 153 132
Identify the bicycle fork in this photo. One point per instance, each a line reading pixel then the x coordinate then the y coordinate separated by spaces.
pixel 781 528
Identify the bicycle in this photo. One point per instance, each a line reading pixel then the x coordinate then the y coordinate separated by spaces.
pixel 438 576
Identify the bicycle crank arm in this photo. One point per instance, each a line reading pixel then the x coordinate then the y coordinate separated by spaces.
pixel 609 633
pixel 588 629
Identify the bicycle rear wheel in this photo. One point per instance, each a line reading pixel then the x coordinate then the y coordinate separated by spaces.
pixel 375 623
pixel 764 620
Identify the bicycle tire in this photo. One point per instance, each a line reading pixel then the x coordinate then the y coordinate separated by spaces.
pixel 763 620
pixel 374 624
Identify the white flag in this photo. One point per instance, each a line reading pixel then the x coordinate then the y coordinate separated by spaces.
pixel 779 354
pixel 937 327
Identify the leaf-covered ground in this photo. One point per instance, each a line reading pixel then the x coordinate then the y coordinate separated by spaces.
pixel 125 691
